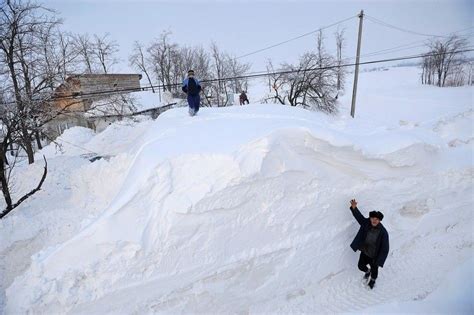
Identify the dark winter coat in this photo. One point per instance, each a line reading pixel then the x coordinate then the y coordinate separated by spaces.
pixel 359 240
pixel 191 86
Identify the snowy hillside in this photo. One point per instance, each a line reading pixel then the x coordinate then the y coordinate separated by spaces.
pixel 246 209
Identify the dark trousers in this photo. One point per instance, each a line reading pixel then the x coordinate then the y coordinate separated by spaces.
pixel 193 102
pixel 365 260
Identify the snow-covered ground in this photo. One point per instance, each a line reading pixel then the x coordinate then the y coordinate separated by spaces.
pixel 147 99
pixel 245 209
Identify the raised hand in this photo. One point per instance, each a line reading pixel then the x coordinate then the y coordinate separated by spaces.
pixel 353 204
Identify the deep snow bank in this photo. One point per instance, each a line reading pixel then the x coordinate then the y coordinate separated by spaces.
pixel 245 209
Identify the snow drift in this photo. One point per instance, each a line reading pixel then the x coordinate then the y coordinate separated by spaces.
pixel 245 209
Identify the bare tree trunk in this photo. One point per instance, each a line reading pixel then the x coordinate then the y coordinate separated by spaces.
pixel 10 207
pixel 137 59
pixel 3 178
pixel 339 45
pixel 38 140
pixel 19 102
pixel 11 149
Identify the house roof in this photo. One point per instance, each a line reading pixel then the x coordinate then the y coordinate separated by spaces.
pixel 104 75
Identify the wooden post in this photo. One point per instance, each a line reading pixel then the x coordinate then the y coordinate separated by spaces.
pixel 356 72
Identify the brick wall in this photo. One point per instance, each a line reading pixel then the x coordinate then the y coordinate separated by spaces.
pixel 90 84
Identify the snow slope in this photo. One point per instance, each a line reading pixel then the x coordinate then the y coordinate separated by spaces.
pixel 453 296
pixel 245 209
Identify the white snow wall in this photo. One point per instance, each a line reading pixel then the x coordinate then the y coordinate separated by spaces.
pixel 260 223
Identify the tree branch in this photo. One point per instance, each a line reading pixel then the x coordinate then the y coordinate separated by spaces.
pixel 28 195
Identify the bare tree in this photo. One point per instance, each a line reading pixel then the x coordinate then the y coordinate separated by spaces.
pixel 31 65
pixel 169 63
pixel 226 71
pixel 277 82
pixel 198 59
pixel 161 53
pixel 340 44
pixel 9 130
pixel 320 48
pixel 104 49
pixel 312 83
pixel 25 52
pixel 85 50
pixel 237 69
pixel 219 72
pixel 195 58
pixel 428 71
pixel 138 61
pixel 444 62
pixel 12 20
pixel 115 104
pixel 470 75
pixel 68 55
pixel 35 58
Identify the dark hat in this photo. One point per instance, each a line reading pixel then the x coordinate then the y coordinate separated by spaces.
pixel 191 72
pixel 376 214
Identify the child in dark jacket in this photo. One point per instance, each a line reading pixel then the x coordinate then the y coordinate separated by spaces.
pixel 192 87
pixel 243 98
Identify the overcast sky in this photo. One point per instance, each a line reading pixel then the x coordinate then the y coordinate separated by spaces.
pixel 240 27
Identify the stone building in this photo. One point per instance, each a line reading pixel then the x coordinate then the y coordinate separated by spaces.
pixel 76 95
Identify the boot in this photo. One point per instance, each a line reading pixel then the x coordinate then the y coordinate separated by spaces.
pixel 371 283
pixel 367 274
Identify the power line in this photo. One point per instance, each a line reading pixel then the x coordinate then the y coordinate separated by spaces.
pixel 80 96
pixel 265 73
pixel 392 50
pixel 411 45
pixel 380 22
pixel 295 38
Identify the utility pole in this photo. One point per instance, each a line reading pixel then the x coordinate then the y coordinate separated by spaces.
pixel 356 72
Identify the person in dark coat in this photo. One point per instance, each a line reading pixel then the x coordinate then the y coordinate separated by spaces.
pixel 243 98
pixel 192 87
pixel 372 241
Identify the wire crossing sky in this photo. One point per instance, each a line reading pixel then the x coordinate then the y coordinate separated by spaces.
pixel 79 95
pixel 243 27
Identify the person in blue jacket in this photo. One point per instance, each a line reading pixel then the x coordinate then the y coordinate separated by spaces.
pixel 372 241
pixel 192 87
